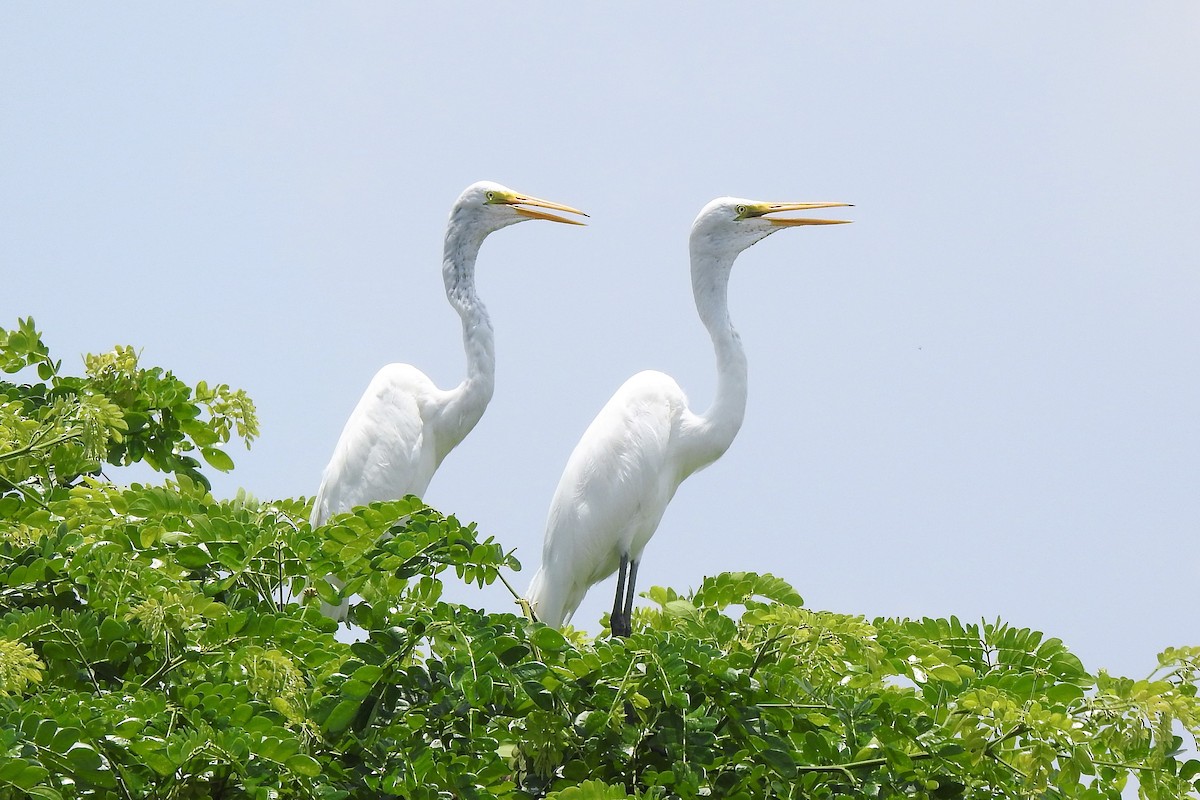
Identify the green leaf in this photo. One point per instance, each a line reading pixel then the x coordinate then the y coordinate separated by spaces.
pixel 341 716
pixel 148 535
pixel 513 654
pixel 548 639
pixel 153 754
pixel 217 459
pixel 590 790
pixel 480 692
pixel 20 774
pixel 84 758
pixel 304 765
pixel 539 694
pixel 192 556
pixel 782 761
pixel 1064 693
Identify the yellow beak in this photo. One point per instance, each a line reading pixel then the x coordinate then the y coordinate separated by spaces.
pixel 774 208
pixel 518 201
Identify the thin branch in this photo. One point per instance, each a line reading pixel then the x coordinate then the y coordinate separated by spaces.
pixel 758 661
pixel 279 562
pixel 166 667
pixel 1017 730
pixel 866 763
pixel 91 673
pixel 800 706
pixel 508 586
pixel 1011 767
pixel 762 654
pixel 179 660
pixel 37 444
pixel 621 689
pixel 29 494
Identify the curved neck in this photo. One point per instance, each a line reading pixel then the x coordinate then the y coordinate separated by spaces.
pixel 458 271
pixel 720 423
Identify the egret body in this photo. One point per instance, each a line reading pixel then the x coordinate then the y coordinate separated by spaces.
pixel 404 425
pixel 646 440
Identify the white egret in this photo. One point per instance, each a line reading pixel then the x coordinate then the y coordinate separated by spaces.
pixel 404 425
pixel 645 441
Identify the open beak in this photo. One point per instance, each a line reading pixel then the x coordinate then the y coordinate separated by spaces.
pixel 774 208
pixel 520 201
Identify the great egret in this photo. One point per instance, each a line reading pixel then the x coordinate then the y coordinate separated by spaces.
pixel 404 425
pixel 645 441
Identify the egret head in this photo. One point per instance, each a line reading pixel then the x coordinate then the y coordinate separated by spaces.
pixel 728 225
pixel 489 207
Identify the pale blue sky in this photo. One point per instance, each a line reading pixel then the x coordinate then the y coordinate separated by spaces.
pixel 979 399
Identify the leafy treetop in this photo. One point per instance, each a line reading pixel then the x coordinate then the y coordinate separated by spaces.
pixel 56 430
pixel 158 643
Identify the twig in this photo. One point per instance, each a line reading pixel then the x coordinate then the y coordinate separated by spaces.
pixel 852 765
pixel 28 493
pixel 37 444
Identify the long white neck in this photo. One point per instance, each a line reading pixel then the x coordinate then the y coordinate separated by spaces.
pixel 718 426
pixel 469 398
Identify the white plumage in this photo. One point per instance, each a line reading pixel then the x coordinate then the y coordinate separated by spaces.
pixel 389 446
pixel 646 440
pixel 404 425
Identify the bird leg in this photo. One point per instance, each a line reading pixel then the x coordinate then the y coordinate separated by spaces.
pixel 615 622
pixel 627 612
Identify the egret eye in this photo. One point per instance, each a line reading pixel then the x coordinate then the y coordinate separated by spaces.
pixel 741 211
pixel 491 196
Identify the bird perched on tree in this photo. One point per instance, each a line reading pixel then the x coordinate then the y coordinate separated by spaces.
pixel 646 440
pixel 404 425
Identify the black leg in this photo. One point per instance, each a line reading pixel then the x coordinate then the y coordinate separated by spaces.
pixel 614 620
pixel 627 612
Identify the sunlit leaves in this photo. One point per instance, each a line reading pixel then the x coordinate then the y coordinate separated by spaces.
pixel 157 642
pixel 742 588
pixel 589 790
pixel 19 667
pixel 192 653
pixel 119 412
pixel 23 347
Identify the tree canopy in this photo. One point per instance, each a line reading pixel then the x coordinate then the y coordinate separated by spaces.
pixel 157 642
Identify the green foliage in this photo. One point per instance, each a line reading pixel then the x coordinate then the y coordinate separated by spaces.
pixel 19 667
pixel 589 790
pixel 63 427
pixel 158 643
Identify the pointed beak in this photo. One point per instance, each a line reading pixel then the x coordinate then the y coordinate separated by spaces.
pixel 775 208
pixel 520 201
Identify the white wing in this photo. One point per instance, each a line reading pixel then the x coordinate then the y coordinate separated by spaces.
pixel 388 448
pixel 613 492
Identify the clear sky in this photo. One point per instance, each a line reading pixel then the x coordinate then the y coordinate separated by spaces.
pixel 979 399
